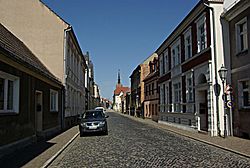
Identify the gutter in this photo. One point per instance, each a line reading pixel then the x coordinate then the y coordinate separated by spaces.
pixel 69 28
pixel 215 68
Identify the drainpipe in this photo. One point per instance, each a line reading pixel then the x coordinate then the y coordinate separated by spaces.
pixel 64 75
pixel 215 68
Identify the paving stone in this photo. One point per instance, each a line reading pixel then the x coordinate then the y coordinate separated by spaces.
pixel 134 144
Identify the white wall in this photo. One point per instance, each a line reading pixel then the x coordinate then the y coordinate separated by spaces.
pixel 229 4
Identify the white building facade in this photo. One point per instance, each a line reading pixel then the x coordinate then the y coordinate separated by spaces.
pixel 189 60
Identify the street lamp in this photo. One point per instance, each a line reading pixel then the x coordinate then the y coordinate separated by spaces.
pixel 223 75
pixel 137 104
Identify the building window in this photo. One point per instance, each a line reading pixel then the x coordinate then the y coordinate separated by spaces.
pixel 149 89
pixel 190 93
pixel 53 100
pixel 176 53
pixel 164 97
pixel 244 91
pixel 165 55
pixel 161 98
pixel 9 93
pixel 156 111
pixel 161 65
pixel 188 44
pixel 153 88
pixel 150 67
pixel 177 96
pixel 201 34
pixel 155 66
pixel 241 36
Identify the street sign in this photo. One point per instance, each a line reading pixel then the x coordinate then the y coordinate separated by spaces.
pixel 229 104
pixel 228 89
pixel 217 89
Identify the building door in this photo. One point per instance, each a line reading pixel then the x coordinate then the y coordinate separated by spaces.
pixel 39 111
pixel 204 111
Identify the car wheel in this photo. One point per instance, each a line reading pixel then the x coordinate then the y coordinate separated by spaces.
pixel 81 134
pixel 105 132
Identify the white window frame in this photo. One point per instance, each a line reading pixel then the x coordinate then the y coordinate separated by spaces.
pixel 177 96
pixel 188 34
pixel 190 90
pixel 241 95
pixel 161 98
pixel 53 100
pixel 241 47
pixel 167 97
pixel 199 23
pixel 165 54
pixel 176 53
pixel 16 87
pixel 161 65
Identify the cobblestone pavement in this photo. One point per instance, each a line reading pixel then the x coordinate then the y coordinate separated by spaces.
pixel 134 144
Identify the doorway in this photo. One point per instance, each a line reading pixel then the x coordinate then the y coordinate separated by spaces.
pixel 203 110
pixel 39 112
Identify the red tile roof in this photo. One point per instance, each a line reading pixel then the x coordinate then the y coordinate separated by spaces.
pixel 120 89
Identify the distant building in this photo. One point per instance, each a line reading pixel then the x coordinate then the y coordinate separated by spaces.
pixel 128 103
pixel 151 101
pixel 137 86
pixel 119 102
pixel 30 96
pixel 96 96
pixel 106 103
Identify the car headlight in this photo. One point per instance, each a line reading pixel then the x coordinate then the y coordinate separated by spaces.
pixel 102 123
pixel 84 124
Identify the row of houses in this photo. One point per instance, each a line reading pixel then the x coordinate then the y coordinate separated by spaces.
pixel 46 81
pixel 198 79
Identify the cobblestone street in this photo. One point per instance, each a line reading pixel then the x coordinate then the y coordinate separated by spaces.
pixel 134 144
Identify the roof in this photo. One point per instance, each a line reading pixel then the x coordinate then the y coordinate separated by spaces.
pixel 19 52
pixel 118 90
pixel 151 75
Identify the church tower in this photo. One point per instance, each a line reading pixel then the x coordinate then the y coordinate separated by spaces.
pixel 119 79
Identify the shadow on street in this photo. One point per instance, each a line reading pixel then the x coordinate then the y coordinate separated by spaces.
pixel 22 156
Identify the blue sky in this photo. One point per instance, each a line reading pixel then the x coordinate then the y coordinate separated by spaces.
pixel 120 34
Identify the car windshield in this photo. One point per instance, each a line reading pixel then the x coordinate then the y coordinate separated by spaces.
pixel 93 114
pixel 99 108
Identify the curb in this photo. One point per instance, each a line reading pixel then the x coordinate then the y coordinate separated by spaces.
pixel 190 137
pixel 49 161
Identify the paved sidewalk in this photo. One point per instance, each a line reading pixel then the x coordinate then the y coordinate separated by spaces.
pixel 41 153
pixel 233 144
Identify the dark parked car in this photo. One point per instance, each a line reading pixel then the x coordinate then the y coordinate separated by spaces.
pixel 93 121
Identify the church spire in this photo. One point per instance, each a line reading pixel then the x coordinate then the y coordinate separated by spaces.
pixel 119 78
